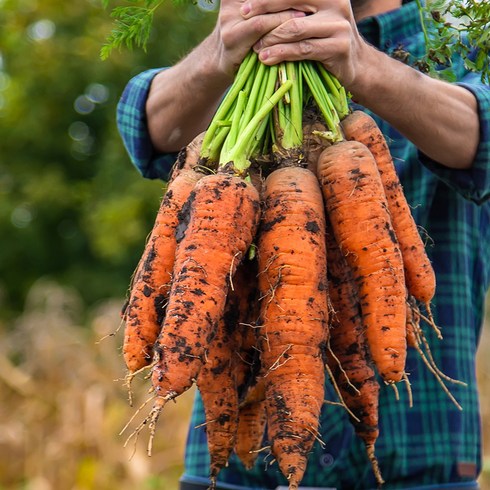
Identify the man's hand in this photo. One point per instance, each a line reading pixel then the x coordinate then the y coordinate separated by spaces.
pixel 326 33
pixel 235 34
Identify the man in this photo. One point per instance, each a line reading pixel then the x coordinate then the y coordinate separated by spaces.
pixel 439 135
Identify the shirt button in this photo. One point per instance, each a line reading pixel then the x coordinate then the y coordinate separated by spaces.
pixel 326 460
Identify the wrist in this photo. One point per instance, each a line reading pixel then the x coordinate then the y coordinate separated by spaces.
pixel 369 76
pixel 210 63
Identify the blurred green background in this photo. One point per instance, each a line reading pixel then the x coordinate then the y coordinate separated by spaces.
pixel 74 215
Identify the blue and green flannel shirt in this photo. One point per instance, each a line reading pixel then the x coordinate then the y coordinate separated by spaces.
pixel 432 444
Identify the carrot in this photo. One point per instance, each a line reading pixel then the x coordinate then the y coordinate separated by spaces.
pixel 188 157
pixel 217 379
pixel 292 283
pixel 224 212
pixel 246 361
pixel 313 143
pixel 419 274
pixel 144 311
pixel 251 425
pixel 357 208
pixel 216 384
pixel 246 355
pixel 349 362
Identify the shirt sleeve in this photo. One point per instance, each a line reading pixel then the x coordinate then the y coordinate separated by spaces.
pixel 133 128
pixel 473 183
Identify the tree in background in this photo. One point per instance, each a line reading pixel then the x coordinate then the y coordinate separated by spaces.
pixel 72 207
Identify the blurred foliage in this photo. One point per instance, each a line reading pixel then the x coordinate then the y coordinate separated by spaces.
pixel 72 207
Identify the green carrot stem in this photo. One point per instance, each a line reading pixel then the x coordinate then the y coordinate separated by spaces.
pixel 255 91
pixel 266 90
pixel 224 108
pixel 236 120
pixel 237 154
pixel 293 134
pixel 217 143
pixel 283 76
pixel 322 99
pixel 338 98
pixel 258 140
pixel 281 116
pixel 423 23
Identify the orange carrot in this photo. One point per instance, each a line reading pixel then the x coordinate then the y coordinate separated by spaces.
pixel 292 282
pixel 223 215
pixel 216 384
pixel 217 379
pixel 251 425
pixel 246 361
pixel 151 282
pixel 349 362
pixel 188 157
pixel 419 274
pixel 357 208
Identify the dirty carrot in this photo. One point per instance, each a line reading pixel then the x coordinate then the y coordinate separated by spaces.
pixel 145 309
pixel 292 283
pixel 349 360
pixel 216 384
pixel 217 379
pixel 357 209
pixel 223 214
pixel 251 425
pixel 419 274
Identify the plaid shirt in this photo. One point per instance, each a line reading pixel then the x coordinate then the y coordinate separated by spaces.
pixel 433 443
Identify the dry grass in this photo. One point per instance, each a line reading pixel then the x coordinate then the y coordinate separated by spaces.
pixel 63 405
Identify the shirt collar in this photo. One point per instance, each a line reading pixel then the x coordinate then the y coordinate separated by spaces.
pixel 390 28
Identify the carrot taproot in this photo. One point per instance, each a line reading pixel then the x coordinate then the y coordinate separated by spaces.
pixel 251 425
pixel 223 215
pixel 218 381
pixel 189 157
pixel 143 314
pixel 357 209
pixel 419 274
pixel 246 361
pixel 246 355
pixel 349 360
pixel 216 384
pixel 292 283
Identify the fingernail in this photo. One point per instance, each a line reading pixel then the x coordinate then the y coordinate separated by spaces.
pixel 257 46
pixel 245 9
pixel 298 13
pixel 264 54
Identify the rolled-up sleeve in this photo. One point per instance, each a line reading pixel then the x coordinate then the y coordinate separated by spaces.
pixel 473 183
pixel 133 128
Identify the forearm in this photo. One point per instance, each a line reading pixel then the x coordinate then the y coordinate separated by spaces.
pixel 440 118
pixel 183 98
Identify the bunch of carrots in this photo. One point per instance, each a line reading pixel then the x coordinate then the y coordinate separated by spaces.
pixel 283 253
